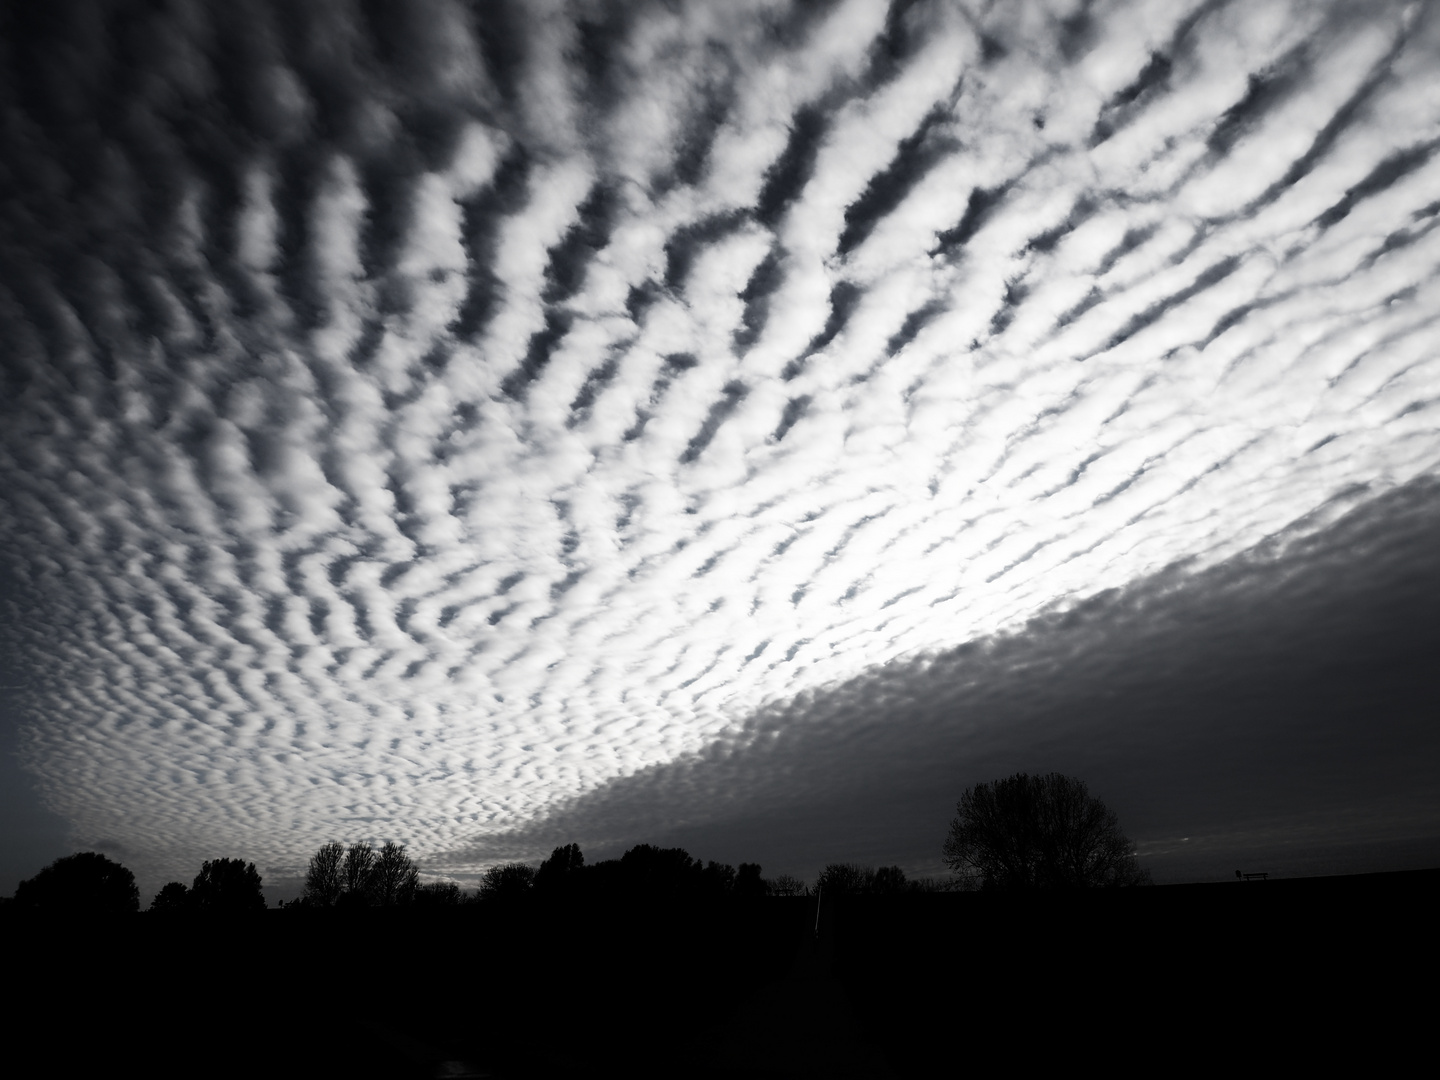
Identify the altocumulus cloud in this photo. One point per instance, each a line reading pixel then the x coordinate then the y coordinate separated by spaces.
pixel 419 417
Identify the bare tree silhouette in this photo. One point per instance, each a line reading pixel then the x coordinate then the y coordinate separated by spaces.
pixel 393 878
pixel 842 878
pixel 355 875
pixel 1029 833
pixel 324 879
pixel 786 885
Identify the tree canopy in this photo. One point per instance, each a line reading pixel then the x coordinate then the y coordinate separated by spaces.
pixel 227 885
pixel 173 897
pixel 86 883
pixel 561 870
pixel 1029 833
pixel 507 881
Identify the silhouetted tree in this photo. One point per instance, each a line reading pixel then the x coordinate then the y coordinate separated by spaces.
pixel 717 879
pixel 561 870
pixel 171 898
pixel 355 875
pixel 1039 833
pixel 86 883
pixel 507 881
pixel 393 878
pixel 227 885
pixel 324 879
pixel 654 871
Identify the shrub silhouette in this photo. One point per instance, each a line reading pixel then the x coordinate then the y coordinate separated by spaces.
pixel 227 886
pixel 1029 833
pixel 85 883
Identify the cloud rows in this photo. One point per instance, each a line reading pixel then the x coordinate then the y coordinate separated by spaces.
pixel 1276 704
pixel 418 416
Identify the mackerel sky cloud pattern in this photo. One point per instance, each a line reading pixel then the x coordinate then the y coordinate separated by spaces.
pixel 417 416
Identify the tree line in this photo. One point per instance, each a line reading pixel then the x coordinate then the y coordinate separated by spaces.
pixel 339 877
pixel 88 883
pixel 1021 834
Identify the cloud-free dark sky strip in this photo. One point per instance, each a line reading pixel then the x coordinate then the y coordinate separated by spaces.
pixel 788 175
pixel 887 189
pixel 756 297
pixel 978 207
pixel 688 242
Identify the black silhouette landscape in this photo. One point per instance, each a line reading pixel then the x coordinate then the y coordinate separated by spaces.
pixel 657 983
pixel 695 537
pixel 659 964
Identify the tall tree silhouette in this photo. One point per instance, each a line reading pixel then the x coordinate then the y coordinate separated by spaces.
pixel 355 875
pixel 1030 833
pixel 393 878
pixel 86 883
pixel 324 881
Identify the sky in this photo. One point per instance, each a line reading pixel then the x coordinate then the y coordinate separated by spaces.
pixel 737 425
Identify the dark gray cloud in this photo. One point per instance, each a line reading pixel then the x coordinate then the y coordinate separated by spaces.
pixel 418 417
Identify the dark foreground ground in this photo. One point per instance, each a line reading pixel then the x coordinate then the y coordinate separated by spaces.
pixel 1239 975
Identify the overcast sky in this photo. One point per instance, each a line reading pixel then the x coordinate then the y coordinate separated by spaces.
pixel 735 424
